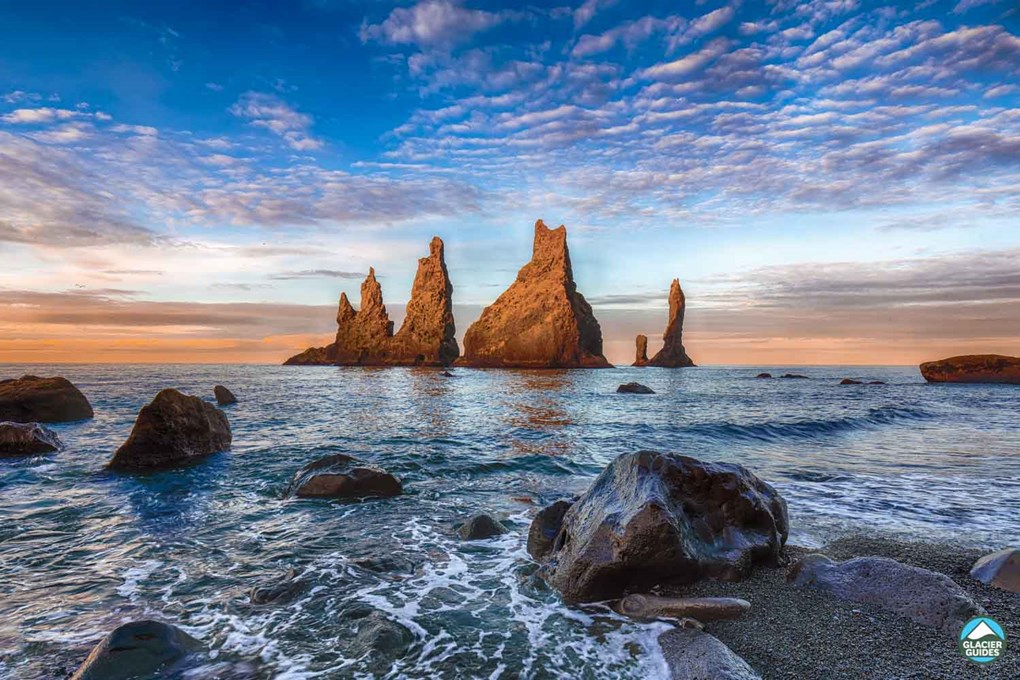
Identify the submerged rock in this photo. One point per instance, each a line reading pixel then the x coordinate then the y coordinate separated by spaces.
pixel 763 375
pixel 923 596
pixel 174 429
pixel 634 388
pixel 341 476
pixel 140 649
pixel 974 368
pixel 641 351
pixel 653 518
pixel 673 354
pixel 698 608
pixel 540 321
pixel 42 400
pixel 27 439
pixel 479 527
pixel 365 337
pixel 224 397
pixel 288 587
pixel 1000 569
pixel 693 654
pixel 382 639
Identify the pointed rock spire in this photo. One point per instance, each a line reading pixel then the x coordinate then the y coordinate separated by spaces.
pixel 672 354
pixel 641 351
pixel 540 321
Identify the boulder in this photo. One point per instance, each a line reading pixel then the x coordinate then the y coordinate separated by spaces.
pixel 42 400
pixel 641 351
pixel 27 439
pixel 923 596
pixel 973 368
pixel 877 382
pixel 794 376
pixel 673 354
pixel 140 649
pixel 382 640
pixel 279 591
pixel 693 654
pixel 341 476
pixel 634 388
pixel 365 337
pixel 479 527
pixel 763 375
pixel 224 397
pixel 1000 569
pixel 540 321
pixel 652 518
pixel 699 608
pixel 850 381
pixel 545 527
pixel 446 374
pixel 174 429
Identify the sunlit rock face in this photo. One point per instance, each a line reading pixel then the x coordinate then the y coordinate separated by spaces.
pixel 365 337
pixel 541 320
pixel 974 368
pixel 673 354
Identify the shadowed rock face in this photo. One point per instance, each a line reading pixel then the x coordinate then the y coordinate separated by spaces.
pixel 42 400
pixel 341 476
pixel 641 351
pixel 365 337
pixel 27 439
pixel 673 354
pixel 974 368
pixel 140 649
pixel 540 321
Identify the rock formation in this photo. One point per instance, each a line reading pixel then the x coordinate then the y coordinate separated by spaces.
pixel 692 654
pixel 479 527
pixel 365 337
pixel 634 388
pixel 641 351
pixel 974 368
pixel 1000 569
pixel 42 400
pixel 652 518
pixel 703 609
pixel 340 476
pixel 673 354
pixel 140 649
pixel 174 429
pixel 540 321
pixel 27 439
pixel 224 397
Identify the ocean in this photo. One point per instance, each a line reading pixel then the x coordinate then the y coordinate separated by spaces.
pixel 83 549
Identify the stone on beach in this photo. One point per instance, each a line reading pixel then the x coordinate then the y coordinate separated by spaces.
pixel 224 397
pixel 652 518
pixel 174 429
pixel 634 388
pixel 27 439
pixel 480 527
pixel 703 609
pixel 673 354
pixel 140 649
pixel 42 400
pixel 973 368
pixel 923 596
pixel 1000 569
pixel 341 476
pixel 693 654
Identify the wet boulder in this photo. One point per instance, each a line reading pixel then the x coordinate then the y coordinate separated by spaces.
pixel 279 591
pixel 653 518
pixel 174 429
pixel 923 596
pixel 140 649
pixel 27 439
pixel 42 400
pixel 341 476
pixel 693 654
pixel 634 388
pixel 224 397
pixel 382 640
pixel 1000 569
pixel 545 527
pixel 480 527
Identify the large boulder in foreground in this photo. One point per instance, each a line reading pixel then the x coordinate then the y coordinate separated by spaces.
pixel 27 439
pixel 174 429
pixel 1000 569
pixel 540 321
pixel 973 368
pixel 673 354
pixel 653 518
pixel 140 649
pixel 341 476
pixel 42 400
pixel 693 654
pixel 923 596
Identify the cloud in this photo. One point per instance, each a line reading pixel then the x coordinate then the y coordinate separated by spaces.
pixel 688 64
pixel 629 34
pixel 587 10
pixel 964 6
pixel 317 274
pixel 38 116
pixel 271 113
pixel 431 23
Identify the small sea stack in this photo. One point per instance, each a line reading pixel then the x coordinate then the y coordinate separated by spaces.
pixel 673 354
pixel 31 399
pixel 640 351
pixel 973 368
pixel 224 397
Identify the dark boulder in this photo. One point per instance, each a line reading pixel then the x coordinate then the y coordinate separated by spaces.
pixel 42 400
pixel 479 527
pixel 341 476
pixel 27 439
pixel 653 518
pixel 877 382
pixel 140 649
pixel 692 654
pixel 280 591
pixel 382 640
pixel 1000 569
pixel 763 375
pixel 545 527
pixel 224 397
pixel 794 376
pixel 446 374
pixel 174 429
pixel 634 388
pixel 850 381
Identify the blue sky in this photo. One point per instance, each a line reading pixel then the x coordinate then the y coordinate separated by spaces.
pixel 831 180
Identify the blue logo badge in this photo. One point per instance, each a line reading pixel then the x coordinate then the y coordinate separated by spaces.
pixel 982 640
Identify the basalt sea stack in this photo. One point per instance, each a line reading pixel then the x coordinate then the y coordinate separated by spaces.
pixel 672 354
pixel 365 337
pixel 540 321
pixel 640 351
pixel 975 368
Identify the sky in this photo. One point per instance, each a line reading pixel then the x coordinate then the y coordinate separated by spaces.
pixel 832 181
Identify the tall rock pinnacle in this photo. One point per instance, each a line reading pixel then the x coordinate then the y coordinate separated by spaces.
pixel 428 329
pixel 672 354
pixel 641 351
pixel 540 321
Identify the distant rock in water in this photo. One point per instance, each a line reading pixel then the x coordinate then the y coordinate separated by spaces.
pixel 794 376
pixel 653 518
pixel 42 400
pixel 763 375
pixel 850 381
pixel 974 368
pixel 27 439
pixel 224 397
pixel 365 337
pixel 673 354
pixel 634 388
pixel 174 429
pixel 479 527
pixel 341 476
pixel 641 351
pixel 540 321
pixel 140 649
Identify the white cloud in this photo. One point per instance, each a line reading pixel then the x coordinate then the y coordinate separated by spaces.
pixel 37 116
pixel 431 23
pixel 272 113
pixel 688 64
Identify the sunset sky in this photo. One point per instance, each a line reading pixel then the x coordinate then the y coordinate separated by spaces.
pixel 832 181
